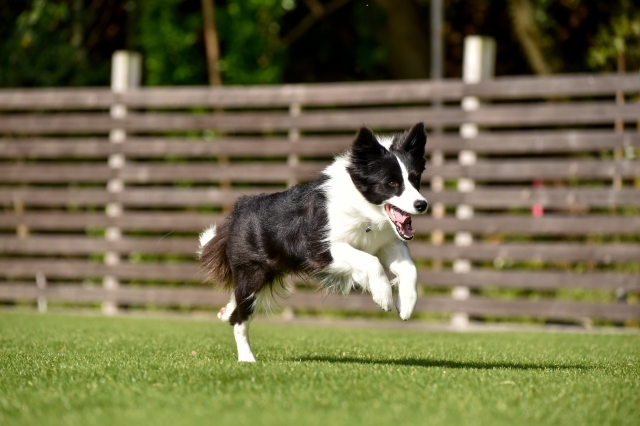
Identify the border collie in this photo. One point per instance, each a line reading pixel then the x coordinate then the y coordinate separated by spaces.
pixel 345 229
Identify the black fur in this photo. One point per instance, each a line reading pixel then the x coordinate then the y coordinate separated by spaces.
pixel 266 237
pixel 410 149
pixel 374 169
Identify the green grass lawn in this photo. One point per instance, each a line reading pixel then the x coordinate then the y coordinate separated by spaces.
pixel 92 370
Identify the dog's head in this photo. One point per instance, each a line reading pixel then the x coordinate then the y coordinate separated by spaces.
pixel 387 173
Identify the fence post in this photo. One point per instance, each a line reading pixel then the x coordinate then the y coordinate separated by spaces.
pixel 41 283
pixel 617 151
pixel 438 209
pixel 294 136
pixel 621 293
pixel 437 156
pixel 479 59
pixel 126 72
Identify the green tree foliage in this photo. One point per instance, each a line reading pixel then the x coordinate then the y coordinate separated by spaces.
pixel 577 35
pixel 617 45
pixel 169 33
pixel 50 43
pixel 70 42
pixel 251 48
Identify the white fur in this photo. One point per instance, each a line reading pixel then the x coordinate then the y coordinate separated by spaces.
pixel 241 333
pixel 226 312
pixel 385 141
pixel 396 259
pixel 409 196
pixel 262 301
pixel 360 257
pixel 206 236
pixel 363 269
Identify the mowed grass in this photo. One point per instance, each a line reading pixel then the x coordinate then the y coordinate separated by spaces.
pixel 94 371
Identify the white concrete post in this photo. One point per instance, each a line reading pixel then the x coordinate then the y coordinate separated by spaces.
pixel 126 72
pixel 479 59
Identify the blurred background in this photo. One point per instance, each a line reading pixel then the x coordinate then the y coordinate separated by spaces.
pixel 127 127
pixel 70 43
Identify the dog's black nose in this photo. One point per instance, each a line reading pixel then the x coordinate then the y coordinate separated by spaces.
pixel 420 205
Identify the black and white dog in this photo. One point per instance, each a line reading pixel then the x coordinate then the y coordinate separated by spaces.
pixel 345 229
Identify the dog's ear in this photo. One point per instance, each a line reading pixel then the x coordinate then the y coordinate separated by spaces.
pixel 414 140
pixel 366 144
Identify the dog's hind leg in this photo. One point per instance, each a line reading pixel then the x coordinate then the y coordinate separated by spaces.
pixel 241 333
pixel 241 318
pixel 226 311
pixel 240 329
pixel 249 282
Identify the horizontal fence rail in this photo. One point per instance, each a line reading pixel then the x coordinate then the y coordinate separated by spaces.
pixel 343 94
pixel 257 172
pixel 355 302
pixel 530 115
pixel 491 198
pixel 104 193
pixel 72 245
pixel 488 224
pixel 152 147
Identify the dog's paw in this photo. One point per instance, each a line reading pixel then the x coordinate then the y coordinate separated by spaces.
pixel 405 306
pixel 383 298
pixel 245 354
pixel 225 314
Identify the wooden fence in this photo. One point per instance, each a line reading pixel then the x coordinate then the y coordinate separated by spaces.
pixel 103 192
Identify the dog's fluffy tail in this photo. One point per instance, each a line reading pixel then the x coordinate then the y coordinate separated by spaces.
pixel 206 236
pixel 213 256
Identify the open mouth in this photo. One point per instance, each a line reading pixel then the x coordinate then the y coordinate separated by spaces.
pixel 401 220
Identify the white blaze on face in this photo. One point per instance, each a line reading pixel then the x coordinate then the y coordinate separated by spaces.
pixel 385 141
pixel 409 196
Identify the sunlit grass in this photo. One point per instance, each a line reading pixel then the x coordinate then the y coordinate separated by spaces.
pixel 93 371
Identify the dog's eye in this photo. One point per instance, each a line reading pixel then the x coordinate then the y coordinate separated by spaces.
pixel 393 183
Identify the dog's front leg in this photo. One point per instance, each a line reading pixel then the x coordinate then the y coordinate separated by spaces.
pixel 366 270
pixel 397 260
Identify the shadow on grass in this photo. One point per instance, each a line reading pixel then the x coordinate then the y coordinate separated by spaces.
pixel 422 362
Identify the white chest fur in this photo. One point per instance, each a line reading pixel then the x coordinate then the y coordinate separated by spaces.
pixel 370 236
pixel 350 215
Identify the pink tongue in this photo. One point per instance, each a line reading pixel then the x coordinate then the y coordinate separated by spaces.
pixel 401 217
pixel 403 220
